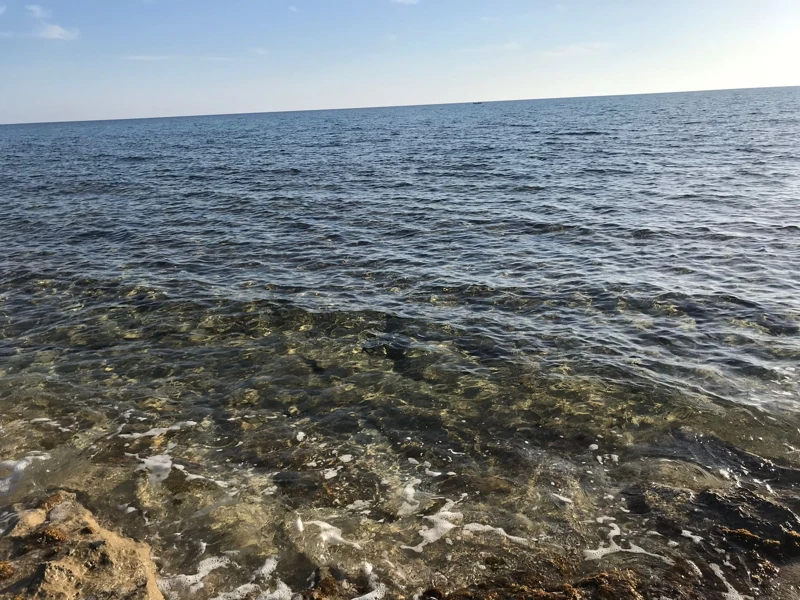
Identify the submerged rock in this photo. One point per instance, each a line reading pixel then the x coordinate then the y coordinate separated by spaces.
pixel 59 550
pixel 608 585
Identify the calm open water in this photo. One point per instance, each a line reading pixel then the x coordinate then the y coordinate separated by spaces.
pixel 319 336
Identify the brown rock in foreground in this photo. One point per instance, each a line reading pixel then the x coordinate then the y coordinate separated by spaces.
pixel 59 550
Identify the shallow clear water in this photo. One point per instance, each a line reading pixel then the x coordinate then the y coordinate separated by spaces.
pixel 512 312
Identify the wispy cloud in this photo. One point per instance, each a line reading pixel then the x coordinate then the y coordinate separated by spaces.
pixel 2 10
pixel 572 50
pixel 38 12
pixel 260 51
pixel 406 1
pixel 48 31
pixel 45 30
pixel 293 8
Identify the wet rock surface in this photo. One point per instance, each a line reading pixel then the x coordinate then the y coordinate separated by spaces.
pixel 55 548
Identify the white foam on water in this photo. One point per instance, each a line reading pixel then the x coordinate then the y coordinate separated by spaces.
pixel 478 527
pixel 654 533
pixel 563 499
pixel 602 520
pixel 443 522
pixel 158 431
pixel 281 592
pixel 688 534
pixel 409 492
pixel 263 574
pixel 267 570
pixel 694 567
pixel 613 548
pixel 410 504
pixel 191 477
pixel 407 509
pixel 332 535
pixel 731 594
pixel 49 422
pixel 378 590
pixel 17 468
pixel 346 458
pixel 358 505
pixel 300 436
pixel 193 583
pixel 158 467
pixel 239 593
pixel 331 473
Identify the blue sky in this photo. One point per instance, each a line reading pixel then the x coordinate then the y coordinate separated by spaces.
pixel 97 59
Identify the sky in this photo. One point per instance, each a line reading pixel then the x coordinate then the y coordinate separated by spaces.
pixel 101 59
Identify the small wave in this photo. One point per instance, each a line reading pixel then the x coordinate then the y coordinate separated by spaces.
pixel 528 188
pixel 579 133
pixel 533 129
pixel 595 171
pixel 777 325
pixel 137 158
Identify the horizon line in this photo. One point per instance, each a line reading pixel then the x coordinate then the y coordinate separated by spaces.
pixel 373 107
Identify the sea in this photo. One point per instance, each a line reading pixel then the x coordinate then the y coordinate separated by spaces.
pixel 415 350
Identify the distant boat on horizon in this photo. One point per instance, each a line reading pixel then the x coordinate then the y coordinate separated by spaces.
pixel 477 102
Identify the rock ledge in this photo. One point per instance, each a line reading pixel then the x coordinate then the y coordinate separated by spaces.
pixel 59 550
